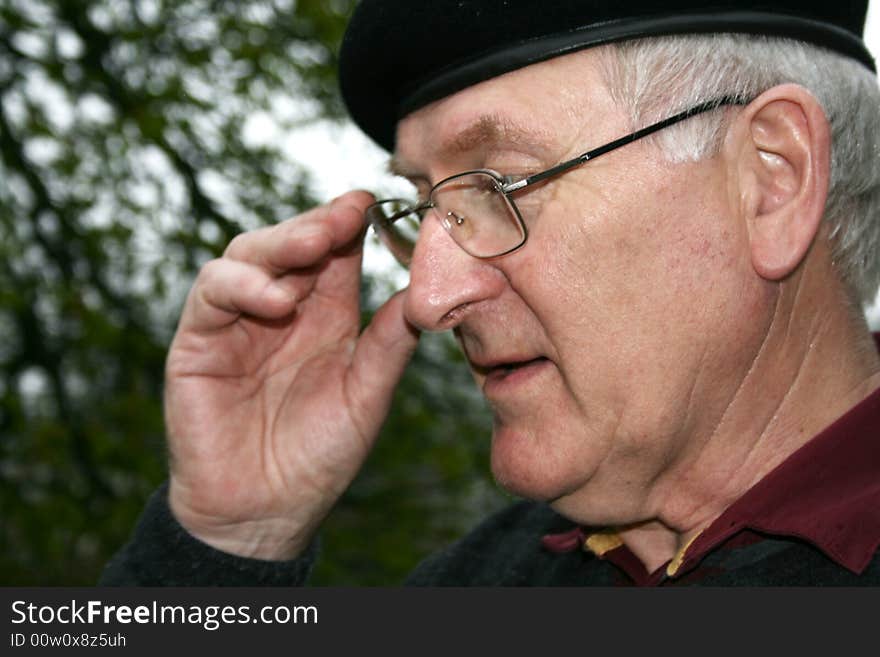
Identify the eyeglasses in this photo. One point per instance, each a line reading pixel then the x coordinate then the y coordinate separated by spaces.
pixel 477 208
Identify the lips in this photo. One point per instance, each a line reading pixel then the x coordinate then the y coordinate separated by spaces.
pixel 506 373
pixel 488 366
pixel 507 368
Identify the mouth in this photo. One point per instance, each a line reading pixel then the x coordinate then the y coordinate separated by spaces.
pixel 509 372
pixel 507 368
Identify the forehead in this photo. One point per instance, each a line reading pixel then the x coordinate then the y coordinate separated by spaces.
pixel 535 108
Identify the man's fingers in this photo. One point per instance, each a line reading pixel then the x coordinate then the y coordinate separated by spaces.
pixel 264 273
pixel 305 240
pixel 227 288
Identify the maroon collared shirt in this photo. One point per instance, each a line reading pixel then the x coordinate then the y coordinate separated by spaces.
pixel 827 493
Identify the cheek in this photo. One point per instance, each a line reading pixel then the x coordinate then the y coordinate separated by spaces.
pixel 621 258
pixel 560 262
pixel 632 293
pixel 580 276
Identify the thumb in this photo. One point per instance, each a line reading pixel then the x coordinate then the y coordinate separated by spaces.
pixel 380 357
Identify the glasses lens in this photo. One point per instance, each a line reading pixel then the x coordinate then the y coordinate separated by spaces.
pixel 396 226
pixel 478 215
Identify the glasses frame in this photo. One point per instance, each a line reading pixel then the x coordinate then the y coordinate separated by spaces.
pixel 506 186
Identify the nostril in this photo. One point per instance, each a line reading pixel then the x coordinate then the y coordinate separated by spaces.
pixel 453 317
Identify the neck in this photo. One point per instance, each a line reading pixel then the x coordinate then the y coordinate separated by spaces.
pixel 817 360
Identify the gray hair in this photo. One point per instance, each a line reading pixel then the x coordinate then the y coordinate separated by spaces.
pixel 652 78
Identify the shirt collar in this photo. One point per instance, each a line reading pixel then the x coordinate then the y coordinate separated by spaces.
pixel 827 493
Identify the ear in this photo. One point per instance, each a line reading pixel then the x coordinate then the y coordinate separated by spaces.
pixel 783 161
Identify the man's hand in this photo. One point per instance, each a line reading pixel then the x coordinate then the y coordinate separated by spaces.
pixel 272 399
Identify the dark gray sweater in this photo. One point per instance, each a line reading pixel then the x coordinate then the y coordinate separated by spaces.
pixel 504 550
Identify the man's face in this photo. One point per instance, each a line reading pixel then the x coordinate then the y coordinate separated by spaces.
pixel 609 345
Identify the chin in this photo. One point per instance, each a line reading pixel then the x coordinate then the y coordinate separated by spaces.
pixel 529 467
pixel 561 470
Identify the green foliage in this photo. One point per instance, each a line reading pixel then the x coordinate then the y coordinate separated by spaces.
pixel 123 167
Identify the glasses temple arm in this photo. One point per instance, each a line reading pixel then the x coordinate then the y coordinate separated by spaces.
pixel 622 141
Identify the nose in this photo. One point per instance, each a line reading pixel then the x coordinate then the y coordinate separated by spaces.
pixel 447 284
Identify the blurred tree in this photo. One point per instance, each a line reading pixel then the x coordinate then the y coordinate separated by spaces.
pixel 124 165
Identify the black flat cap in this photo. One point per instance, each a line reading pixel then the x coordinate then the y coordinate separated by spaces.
pixel 399 55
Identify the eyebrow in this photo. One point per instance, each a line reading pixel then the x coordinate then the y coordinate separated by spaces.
pixel 485 130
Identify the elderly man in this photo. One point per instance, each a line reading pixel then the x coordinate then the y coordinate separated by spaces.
pixel 651 231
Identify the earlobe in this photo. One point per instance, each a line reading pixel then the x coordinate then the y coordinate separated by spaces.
pixel 785 166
